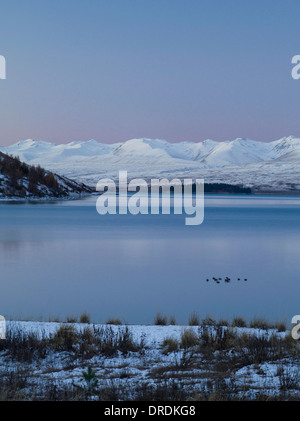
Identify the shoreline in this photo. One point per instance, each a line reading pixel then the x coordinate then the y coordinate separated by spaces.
pixel 18 200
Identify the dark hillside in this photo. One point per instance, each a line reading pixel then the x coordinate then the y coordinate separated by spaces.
pixel 20 180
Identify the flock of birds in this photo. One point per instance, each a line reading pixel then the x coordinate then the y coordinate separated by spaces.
pixel 226 280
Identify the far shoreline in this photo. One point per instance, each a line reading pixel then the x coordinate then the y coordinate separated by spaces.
pixel 52 200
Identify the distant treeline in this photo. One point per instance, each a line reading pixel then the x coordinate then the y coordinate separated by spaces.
pixel 224 188
pixel 213 188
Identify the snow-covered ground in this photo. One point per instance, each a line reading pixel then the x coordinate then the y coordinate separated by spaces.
pixel 126 374
pixel 272 166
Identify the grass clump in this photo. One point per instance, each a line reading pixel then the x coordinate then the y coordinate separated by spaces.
pixel 24 347
pixel 85 318
pixel 260 323
pixel 114 321
pixel 239 322
pixel 160 320
pixel 222 322
pixel 194 320
pixel 219 339
pixel 209 321
pixel 289 379
pixel 71 319
pixel 65 338
pixel 169 345
pixel 280 326
pixel 188 339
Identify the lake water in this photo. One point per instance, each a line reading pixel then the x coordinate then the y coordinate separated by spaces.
pixel 63 259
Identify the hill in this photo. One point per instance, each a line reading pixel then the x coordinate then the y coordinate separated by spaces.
pixel 20 180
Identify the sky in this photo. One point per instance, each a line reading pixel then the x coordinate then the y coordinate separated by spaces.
pixel 112 70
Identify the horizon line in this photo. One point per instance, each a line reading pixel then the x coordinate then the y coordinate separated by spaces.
pixel 146 138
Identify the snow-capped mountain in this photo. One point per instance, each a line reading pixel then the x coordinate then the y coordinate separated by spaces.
pixel 264 165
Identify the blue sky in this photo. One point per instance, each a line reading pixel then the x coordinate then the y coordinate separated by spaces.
pixel 173 69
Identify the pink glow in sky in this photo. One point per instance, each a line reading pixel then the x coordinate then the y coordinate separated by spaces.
pixel 172 69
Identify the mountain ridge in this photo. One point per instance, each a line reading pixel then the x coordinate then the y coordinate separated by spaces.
pixel 269 164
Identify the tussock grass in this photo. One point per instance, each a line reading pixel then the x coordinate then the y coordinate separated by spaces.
pixel 188 339
pixel 85 318
pixel 84 343
pixel 281 326
pixel 199 365
pixel 260 323
pixel 114 321
pixel 71 319
pixel 25 346
pixel 220 339
pixel 289 379
pixel 209 321
pixel 223 322
pixel 239 322
pixel 160 320
pixel 172 320
pixel 194 319
pixel 169 345
pixel 65 338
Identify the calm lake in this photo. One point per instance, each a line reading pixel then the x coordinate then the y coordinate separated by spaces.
pixel 64 258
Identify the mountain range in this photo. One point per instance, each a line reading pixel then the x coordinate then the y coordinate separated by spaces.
pixel 263 166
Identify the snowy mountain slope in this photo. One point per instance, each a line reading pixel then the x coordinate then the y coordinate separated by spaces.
pixel 269 166
pixel 237 152
pixel 19 180
pixel 30 150
pixel 283 147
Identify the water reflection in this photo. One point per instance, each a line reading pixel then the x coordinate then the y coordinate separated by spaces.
pixel 63 259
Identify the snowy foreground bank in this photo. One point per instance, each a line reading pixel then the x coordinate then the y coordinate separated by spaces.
pixel 55 361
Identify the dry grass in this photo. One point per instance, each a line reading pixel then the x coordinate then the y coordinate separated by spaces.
pixel 160 320
pixel 200 365
pixel 172 320
pixel 194 320
pixel 169 345
pixel 239 322
pixel 260 323
pixel 114 321
pixel 85 318
pixel 188 339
